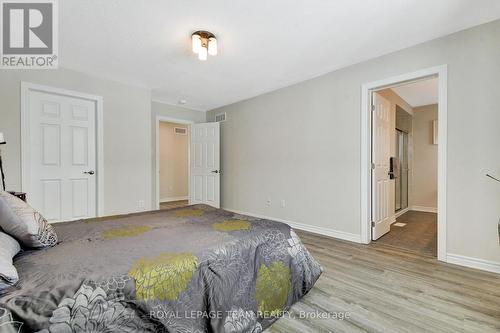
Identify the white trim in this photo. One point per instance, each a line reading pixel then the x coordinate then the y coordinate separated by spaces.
pixel 485 265
pixel 25 148
pixel 176 105
pixel 170 199
pixel 401 212
pixel 366 90
pixel 158 119
pixel 424 209
pixel 442 161
pixel 306 227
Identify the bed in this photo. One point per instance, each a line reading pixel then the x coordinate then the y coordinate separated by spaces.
pixel 191 269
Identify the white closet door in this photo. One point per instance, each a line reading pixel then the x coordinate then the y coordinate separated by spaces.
pixel 62 139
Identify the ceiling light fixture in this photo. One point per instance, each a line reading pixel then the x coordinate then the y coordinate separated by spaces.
pixel 204 43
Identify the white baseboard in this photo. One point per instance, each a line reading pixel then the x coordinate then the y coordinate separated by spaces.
pixel 173 199
pixel 424 209
pixel 306 227
pixel 401 212
pixel 484 265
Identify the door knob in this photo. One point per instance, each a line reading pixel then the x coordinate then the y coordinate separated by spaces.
pixel 215 171
pixel 91 172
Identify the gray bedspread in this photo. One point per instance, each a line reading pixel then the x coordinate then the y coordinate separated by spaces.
pixel 192 269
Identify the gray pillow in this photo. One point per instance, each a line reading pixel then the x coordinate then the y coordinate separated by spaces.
pixel 24 223
pixel 9 247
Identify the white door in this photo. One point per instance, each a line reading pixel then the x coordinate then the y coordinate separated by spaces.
pixel 62 156
pixel 205 164
pixel 382 194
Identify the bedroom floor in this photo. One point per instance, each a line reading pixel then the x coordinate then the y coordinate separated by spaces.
pixel 419 234
pixel 392 290
pixel 174 204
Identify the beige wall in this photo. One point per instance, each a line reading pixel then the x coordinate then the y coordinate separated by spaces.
pixel 425 155
pixel 169 111
pixel 395 99
pixel 403 120
pixel 302 143
pixel 173 162
pixel 127 139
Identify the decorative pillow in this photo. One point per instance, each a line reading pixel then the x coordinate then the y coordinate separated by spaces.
pixel 9 247
pixel 24 223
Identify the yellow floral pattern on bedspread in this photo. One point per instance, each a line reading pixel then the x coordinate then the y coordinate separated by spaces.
pixel 126 231
pixel 145 272
pixel 231 225
pixel 272 288
pixel 163 277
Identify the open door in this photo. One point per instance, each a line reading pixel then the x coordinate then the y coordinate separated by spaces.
pixel 205 164
pixel 382 195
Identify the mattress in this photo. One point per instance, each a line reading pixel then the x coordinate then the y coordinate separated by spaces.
pixel 192 269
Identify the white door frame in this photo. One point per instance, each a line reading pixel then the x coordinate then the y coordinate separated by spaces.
pixel 366 90
pixel 157 153
pixel 26 87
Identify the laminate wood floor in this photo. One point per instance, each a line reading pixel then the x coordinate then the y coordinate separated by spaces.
pixel 385 289
pixel 174 204
pixel 419 233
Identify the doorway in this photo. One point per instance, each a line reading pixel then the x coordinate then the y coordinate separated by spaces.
pixel 173 164
pixel 203 164
pixel 403 118
pixel 376 178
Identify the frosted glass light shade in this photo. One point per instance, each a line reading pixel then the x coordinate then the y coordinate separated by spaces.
pixel 212 46
pixel 2 139
pixel 196 43
pixel 203 53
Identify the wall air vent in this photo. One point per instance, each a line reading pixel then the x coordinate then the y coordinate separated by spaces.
pixel 180 131
pixel 220 117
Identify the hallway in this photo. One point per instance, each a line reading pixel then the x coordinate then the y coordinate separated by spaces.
pixel 419 234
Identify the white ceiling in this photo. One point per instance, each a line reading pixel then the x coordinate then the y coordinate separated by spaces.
pixel 263 45
pixel 419 93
